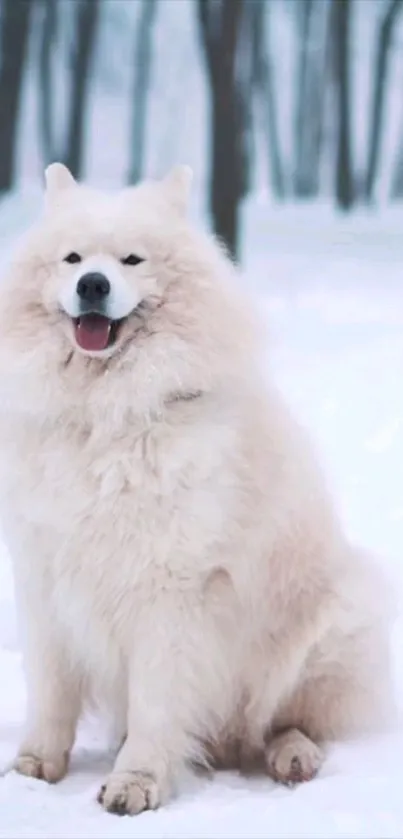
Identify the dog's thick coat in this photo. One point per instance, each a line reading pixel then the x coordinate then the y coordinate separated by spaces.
pixel 177 558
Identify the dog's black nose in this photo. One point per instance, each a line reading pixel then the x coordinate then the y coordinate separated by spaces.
pixel 93 287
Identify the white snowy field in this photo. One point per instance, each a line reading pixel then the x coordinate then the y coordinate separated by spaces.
pixel 333 292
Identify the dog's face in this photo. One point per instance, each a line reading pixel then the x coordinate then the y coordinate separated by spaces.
pixel 119 283
pixel 109 257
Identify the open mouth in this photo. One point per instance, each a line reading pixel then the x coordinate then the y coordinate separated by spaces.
pixel 94 332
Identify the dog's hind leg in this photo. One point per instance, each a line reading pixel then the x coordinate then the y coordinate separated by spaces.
pixel 291 757
pixel 345 691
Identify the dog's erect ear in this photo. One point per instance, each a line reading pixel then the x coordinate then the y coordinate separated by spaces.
pixel 177 186
pixel 58 178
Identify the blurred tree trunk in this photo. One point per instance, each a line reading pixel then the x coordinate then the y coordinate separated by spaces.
pixel 220 29
pixel 86 17
pixel 265 86
pixel 245 85
pixel 396 191
pixel 48 38
pixel 304 11
pixel 141 87
pixel 340 34
pixel 311 81
pixel 384 38
pixel 14 40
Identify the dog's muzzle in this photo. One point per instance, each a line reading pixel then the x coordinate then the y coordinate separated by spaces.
pixel 93 328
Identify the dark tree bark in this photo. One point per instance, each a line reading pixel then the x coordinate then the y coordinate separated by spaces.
pixel 311 85
pixel 384 38
pixel 48 39
pixel 142 71
pixel 87 15
pixel 220 28
pixel 397 177
pixel 304 12
pixel 341 26
pixel 245 85
pixel 14 39
pixel 265 86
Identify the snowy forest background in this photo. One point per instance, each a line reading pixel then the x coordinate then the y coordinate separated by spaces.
pixel 299 100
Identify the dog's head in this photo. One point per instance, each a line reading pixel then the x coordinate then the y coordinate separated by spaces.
pixel 123 282
pixel 109 256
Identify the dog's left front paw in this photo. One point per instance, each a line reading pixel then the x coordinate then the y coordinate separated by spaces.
pixel 129 793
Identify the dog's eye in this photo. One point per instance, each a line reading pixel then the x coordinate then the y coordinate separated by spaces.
pixel 132 259
pixel 72 258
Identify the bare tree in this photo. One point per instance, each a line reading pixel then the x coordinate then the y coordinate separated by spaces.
pixel 340 33
pixel 304 10
pixel 14 39
pixel 397 177
pixel 264 82
pixel 382 52
pixel 220 30
pixel 142 73
pixel 86 20
pixel 245 76
pixel 47 45
pixel 311 81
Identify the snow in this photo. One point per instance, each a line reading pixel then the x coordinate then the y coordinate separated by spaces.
pixel 333 293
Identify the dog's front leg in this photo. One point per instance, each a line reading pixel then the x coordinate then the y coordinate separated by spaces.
pixel 165 708
pixel 53 699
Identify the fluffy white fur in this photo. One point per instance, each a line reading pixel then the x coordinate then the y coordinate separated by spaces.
pixel 177 558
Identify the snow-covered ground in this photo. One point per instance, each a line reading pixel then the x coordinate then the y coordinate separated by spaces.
pixel 333 292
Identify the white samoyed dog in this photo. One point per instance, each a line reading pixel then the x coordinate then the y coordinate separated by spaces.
pixel 176 554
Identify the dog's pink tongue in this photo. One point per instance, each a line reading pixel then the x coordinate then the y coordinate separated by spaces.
pixel 92 332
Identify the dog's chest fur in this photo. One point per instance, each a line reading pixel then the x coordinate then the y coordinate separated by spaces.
pixel 113 522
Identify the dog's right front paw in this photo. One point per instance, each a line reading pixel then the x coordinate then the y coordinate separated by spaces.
pixel 50 769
